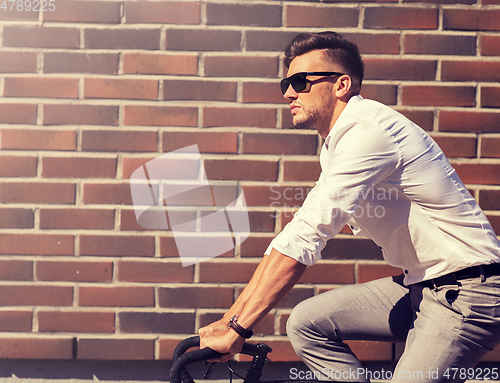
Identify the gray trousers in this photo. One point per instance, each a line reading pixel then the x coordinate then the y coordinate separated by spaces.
pixel 446 330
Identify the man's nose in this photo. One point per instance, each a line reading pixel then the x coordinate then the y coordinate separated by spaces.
pixel 290 93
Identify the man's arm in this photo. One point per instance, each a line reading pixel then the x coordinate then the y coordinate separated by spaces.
pixel 278 274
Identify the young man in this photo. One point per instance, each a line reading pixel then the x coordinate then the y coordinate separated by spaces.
pixel 389 181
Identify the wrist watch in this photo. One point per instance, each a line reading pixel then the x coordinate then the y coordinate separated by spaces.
pixel 239 329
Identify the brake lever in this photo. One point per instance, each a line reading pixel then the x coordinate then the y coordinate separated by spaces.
pixel 210 369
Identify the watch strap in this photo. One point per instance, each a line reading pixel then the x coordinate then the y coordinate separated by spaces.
pixel 240 330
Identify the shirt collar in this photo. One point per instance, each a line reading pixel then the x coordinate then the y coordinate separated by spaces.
pixel 350 105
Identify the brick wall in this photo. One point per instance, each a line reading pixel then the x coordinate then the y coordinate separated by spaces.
pixel 91 90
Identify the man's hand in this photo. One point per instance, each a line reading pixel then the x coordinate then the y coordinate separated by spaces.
pixel 226 342
pixel 220 325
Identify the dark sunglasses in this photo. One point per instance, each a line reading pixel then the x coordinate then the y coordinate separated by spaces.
pixel 300 83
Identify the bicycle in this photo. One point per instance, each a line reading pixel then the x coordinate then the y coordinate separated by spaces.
pixel 258 352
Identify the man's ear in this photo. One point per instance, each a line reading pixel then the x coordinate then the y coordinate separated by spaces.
pixel 344 86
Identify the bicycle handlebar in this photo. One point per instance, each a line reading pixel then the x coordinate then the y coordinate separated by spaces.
pixel 179 374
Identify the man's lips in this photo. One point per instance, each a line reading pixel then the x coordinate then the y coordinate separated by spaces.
pixel 294 108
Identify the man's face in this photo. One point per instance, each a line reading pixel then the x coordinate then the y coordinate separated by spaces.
pixel 313 109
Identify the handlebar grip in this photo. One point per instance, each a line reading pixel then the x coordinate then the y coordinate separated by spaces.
pixel 178 373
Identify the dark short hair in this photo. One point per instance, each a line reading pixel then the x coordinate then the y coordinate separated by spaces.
pixel 339 50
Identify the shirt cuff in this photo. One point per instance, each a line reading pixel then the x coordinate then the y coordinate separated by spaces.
pixel 294 247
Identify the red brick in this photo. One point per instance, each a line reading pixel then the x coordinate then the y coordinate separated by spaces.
pixel 241 66
pixel 401 18
pixel 400 69
pixel 41 87
pixel 168 248
pixel 481 122
pixel 494 221
pixel 94 63
pixel 258 92
pixel 489 199
pixel 267 40
pixel 116 296
pixel 203 40
pixel 18 114
pixel 371 271
pixel 454 146
pixel 375 351
pixel 76 321
pixel 470 71
pixel 490 147
pixel 119 141
pixel 10 12
pixel 490 45
pixel 301 170
pixel 423 118
pixel 234 169
pixel 351 248
pixel 199 90
pixel 167 347
pixel 329 273
pixel 226 272
pixel 154 272
pixel 305 16
pixel 386 94
pixel 428 95
pixel 36 348
pixel 80 115
pixel 106 193
pixel 195 297
pixel 40 192
pixel 41 295
pixel 261 15
pixel 13 270
pixel 492 356
pixel 18 62
pixel 122 38
pixel 255 246
pixel 279 143
pixel 208 142
pixel 490 97
pixel 78 167
pixel 471 19
pixel 282 351
pixel 156 322
pixel 160 115
pixel 16 321
pixel 105 12
pixel 41 37
pixel 38 139
pixel 479 173
pixel 174 12
pixel 440 44
pixel 36 244
pixel 275 195
pixel 77 219
pixel 116 349
pixel 17 166
pixel 375 43
pixel 74 271
pixel 121 89
pixel 146 63
pixel 16 218
pixel 114 245
pixel 247 117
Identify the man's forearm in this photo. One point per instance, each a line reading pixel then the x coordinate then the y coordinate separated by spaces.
pixel 277 277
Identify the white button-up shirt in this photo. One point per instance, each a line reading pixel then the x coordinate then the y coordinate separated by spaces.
pixel 387 178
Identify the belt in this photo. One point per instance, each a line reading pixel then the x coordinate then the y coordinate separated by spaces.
pixel 468 273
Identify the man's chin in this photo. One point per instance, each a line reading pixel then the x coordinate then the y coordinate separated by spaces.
pixel 302 124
